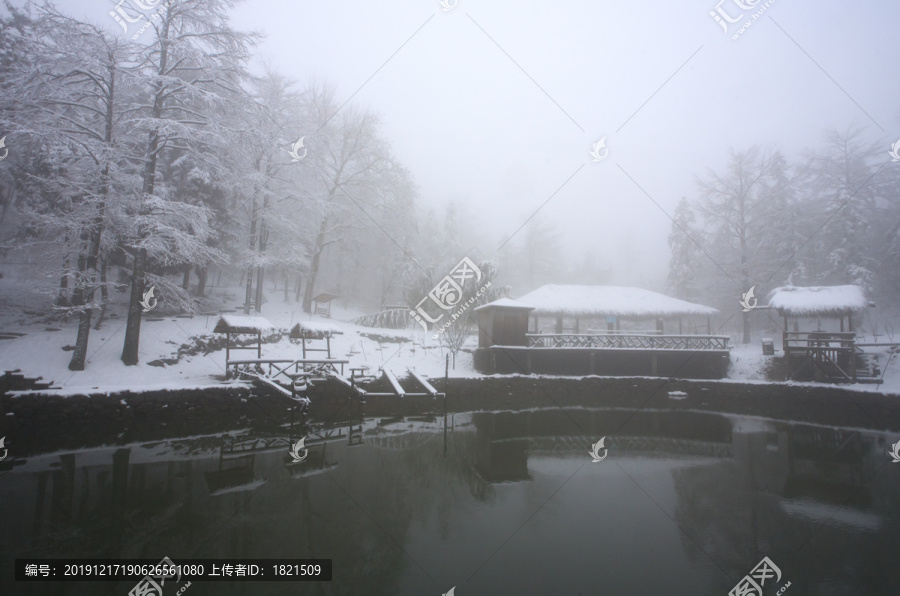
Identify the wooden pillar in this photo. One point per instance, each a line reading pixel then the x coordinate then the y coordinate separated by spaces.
pixel 559 324
pixel 227 347
pixel 842 323
pixel 328 343
pixel 850 322
pixel 259 344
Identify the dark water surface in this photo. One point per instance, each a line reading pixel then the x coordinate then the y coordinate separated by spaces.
pixel 504 502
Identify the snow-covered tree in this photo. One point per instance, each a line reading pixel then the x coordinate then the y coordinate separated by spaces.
pixel 743 211
pixel 686 260
pixel 194 68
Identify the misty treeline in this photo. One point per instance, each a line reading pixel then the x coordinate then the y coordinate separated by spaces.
pixel 831 217
pixel 151 162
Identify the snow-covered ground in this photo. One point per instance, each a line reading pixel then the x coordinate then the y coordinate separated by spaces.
pixel 39 353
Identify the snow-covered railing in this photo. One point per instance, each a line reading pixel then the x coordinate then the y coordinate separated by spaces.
pixel 621 341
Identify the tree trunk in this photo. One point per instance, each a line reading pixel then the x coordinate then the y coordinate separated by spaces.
pixel 299 287
pixel 248 294
pixel 104 296
pixel 314 271
pixel 201 283
pixel 104 291
pixel 79 355
pixel 186 279
pixel 62 295
pixel 78 291
pixel 260 270
pixel 133 327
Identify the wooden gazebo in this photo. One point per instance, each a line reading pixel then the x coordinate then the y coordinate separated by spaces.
pixel 825 347
pixel 232 325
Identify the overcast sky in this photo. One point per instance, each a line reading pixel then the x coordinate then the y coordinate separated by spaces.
pixel 497 104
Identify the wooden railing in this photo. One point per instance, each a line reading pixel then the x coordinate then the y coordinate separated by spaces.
pixel 831 353
pixel 818 345
pixel 622 341
pixel 273 368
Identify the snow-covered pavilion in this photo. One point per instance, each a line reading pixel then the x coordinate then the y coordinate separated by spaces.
pixel 505 344
pixel 815 349
pixel 612 304
pixel 819 302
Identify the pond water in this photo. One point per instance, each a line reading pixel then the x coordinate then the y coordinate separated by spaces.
pixel 502 502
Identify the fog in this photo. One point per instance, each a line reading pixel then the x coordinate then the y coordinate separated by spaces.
pixel 496 106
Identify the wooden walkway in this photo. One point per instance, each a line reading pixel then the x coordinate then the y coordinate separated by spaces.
pixel 289 377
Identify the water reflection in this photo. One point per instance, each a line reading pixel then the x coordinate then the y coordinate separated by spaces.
pixel 686 502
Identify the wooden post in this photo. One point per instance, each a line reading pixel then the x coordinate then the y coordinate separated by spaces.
pixel 227 347
pixel 259 343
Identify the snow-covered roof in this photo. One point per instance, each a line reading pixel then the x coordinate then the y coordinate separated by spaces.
pixel 315 329
pixel 241 324
pixel 795 301
pixel 598 301
pixel 505 303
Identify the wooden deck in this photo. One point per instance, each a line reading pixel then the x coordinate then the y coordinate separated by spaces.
pixel 827 356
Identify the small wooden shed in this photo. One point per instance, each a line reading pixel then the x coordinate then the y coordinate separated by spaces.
pixel 232 325
pixel 503 322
